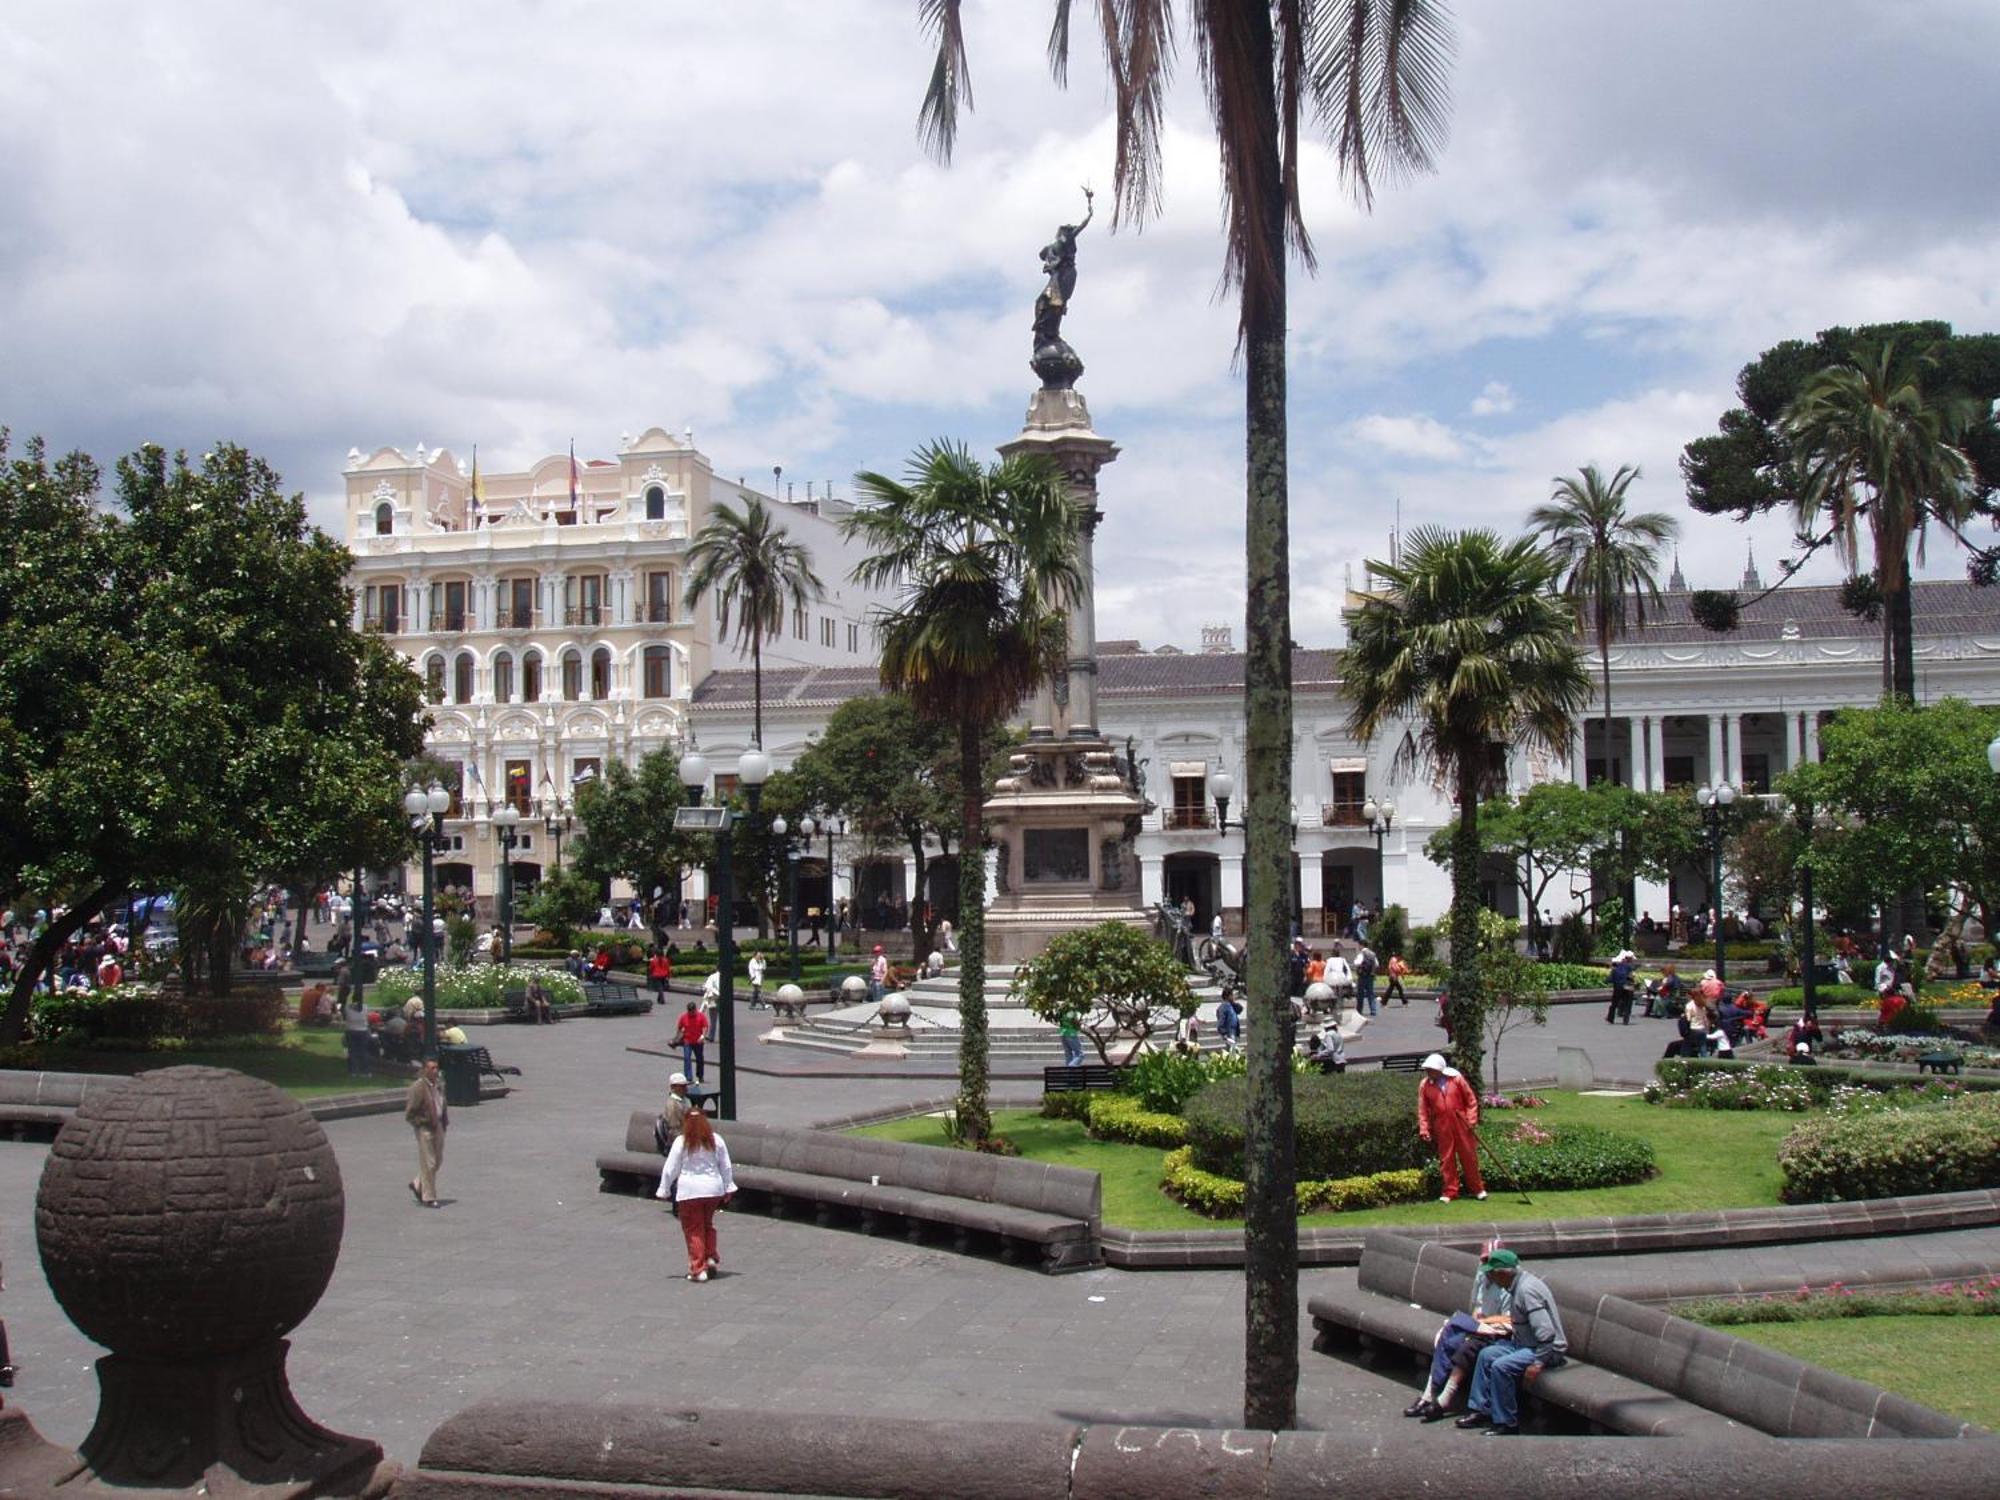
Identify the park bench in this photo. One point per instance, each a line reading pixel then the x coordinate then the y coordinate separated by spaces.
pixel 1632 1368
pixel 1402 1062
pixel 1940 1063
pixel 482 1060
pixel 1069 1080
pixel 613 997
pixel 1013 1204
pixel 515 998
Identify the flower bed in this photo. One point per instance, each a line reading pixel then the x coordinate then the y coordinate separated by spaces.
pixel 1710 1083
pixel 475 986
pixel 1975 1298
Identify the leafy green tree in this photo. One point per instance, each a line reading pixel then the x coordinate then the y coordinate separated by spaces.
pixel 1116 979
pixel 564 900
pixel 1516 994
pixel 1373 74
pixel 1555 827
pixel 1465 644
pixel 756 570
pixel 983 559
pixel 625 825
pixel 1873 445
pixel 1755 462
pixel 221 721
pixel 1610 559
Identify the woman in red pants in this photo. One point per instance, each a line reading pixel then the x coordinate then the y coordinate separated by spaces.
pixel 1448 1113
pixel 699 1180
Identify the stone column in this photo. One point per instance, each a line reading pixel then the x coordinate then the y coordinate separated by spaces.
pixel 1312 893
pixel 1152 879
pixel 1231 894
pixel 1812 735
pixel 1635 758
pixel 1715 763
pixel 1579 763
pixel 1656 770
pixel 1733 733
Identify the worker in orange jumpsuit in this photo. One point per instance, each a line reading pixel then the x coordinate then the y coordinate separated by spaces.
pixel 1447 1112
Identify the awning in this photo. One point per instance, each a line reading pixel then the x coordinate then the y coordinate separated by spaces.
pixel 1347 765
pixel 1188 768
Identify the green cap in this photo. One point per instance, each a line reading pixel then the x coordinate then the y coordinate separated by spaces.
pixel 1503 1260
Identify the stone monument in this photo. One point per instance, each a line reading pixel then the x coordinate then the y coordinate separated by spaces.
pixel 187 1222
pixel 1065 817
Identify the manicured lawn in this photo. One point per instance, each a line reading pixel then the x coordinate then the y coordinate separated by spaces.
pixel 315 1064
pixel 1944 1362
pixel 1707 1159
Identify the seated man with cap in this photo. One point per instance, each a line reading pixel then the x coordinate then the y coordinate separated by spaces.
pixel 1456 1345
pixel 1536 1343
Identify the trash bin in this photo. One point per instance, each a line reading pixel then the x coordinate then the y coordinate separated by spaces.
pixel 460 1068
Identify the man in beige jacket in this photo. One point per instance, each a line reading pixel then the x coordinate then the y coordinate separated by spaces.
pixel 424 1110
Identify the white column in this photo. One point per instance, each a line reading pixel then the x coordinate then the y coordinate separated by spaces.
pixel 1232 883
pixel 1312 891
pixel 1656 770
pixel 1152 879
pixel 1734 734
pixel 1812 735
pixel 1635 758
pixel 1578 766
pixel 1715 770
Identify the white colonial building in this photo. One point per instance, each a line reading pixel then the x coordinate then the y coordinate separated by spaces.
pixel 544 609
pixel 1688 706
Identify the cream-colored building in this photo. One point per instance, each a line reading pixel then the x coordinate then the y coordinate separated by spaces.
pixel 546 614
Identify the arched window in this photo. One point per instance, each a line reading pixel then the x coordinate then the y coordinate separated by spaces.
pixel 434 678
pixel 503 678
pixel 659 672
pixel 656 503
pixel 385 519
pixel 461 678
pixel 600 673
pixel 572 676
pixel 531 677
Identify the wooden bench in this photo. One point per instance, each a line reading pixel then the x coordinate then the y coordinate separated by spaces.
pixel 611 997
pixel 1069 1080
pixel 1939 1063
pixel 515 998
pixel 1013 1204
pixel 482 1061
pixel 1402 1062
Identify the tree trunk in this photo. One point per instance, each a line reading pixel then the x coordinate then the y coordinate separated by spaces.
pixel 757 685
pixel 1952 936
pixel 1899 626
pixel 920 928
pixel 41 954
pixel 975 1122
pixel 1466 1012
pixel 1270 1152
pixel 1604 657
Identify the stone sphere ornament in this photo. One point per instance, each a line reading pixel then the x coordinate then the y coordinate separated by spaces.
pixel 894 1009
pixel 188 1221
pixel 853 989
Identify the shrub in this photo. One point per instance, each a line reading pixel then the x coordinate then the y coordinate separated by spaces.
pixel 1391 932
pixel 1123 1117
pixel 1073 1104
pixel 1345 1124
pixel 141 1014
pixel 1113 979
pixel 1951 1148
pixel 1573 976
pixel 1827 996
pixel 1221 1197
pixel 1422 950
pixel 1163 1082
pixel 1572 943
pixel 1563 1158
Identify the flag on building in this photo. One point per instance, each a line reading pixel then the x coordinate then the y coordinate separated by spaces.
pixel 574 487
pixel 476 497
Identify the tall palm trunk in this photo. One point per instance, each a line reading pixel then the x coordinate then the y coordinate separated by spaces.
pixel 1604 660
pixel 1464 1012
pixel 1270 1156
pixel 975 1121
pixel 1899 622
pixel 757 686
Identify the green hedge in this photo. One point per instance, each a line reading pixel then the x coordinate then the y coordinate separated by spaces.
pixel 1346 1125
pixel 1560 1158
pixel 1951 1148
pixel 1121 1117
pixel 1071 1104
pixel 1711 1083
pixel 145 1015
pixel 1827 996
pixel 1221 1197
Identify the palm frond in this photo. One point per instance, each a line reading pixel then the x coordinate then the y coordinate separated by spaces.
pixel 951 77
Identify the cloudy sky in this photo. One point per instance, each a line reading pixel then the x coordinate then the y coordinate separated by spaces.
pixel 521 221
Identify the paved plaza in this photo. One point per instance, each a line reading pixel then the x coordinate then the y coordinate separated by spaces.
pixel 532 1283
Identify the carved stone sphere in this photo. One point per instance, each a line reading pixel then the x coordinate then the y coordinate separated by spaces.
pixel 193 1212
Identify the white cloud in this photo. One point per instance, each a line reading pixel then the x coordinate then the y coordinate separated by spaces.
pixel 1411 437
pixel 1495 398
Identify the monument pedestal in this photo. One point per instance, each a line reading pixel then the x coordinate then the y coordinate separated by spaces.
pixel 1065 817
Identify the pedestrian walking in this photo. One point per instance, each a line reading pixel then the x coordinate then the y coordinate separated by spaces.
pixel 1624 969
pixel 354 1030
pixel 425 1112
pixel 691 1032
pixel 659 969
pixel 1397 971
pixel 878 976
pixel 756 971
pixel 1070 1028
pixel 698 1178
pixel 1448 1114
pixel 1365 964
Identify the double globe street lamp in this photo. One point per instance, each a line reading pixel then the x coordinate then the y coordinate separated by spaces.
pixel 752 771
pixel 426 809
pixel 1379 816
pixel 781 829
pixel 507 820
pixel 1222 787
pixel 1715 801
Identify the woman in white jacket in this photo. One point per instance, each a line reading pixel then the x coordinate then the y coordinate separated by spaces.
pixel 699 1180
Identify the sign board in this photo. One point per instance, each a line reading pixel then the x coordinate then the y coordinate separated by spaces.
pixel 700 819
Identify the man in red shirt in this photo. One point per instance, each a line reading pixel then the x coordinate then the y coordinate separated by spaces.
pixel 1448 1113
pixel 691 1031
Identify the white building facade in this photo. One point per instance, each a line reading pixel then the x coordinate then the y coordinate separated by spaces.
pixel 545 610
pixel 1688 706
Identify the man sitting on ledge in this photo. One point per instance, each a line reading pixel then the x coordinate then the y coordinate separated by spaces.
pixel 1536 1344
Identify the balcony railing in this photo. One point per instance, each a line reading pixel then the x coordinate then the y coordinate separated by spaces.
pixel 387 624
pixel 452 621
pixel 659 614
pixel 1342 815
pixel 1189 818
pixel 584 614
pixel 515 619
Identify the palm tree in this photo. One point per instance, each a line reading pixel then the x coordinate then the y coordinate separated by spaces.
pixel 1467 645
pixel 1373 74
pixel 757 570
pixel 984 560
pixel 1870 442
pixel 1608 558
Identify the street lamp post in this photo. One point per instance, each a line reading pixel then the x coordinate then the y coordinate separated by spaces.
pixel 556 819
pixel 1222 786
pixel 1809 822
pixel 1714 801
pixel 792 847
pixel 1380 816
pixel 507 819
pixel 751 773
pixel 426 810
pixel 834 824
